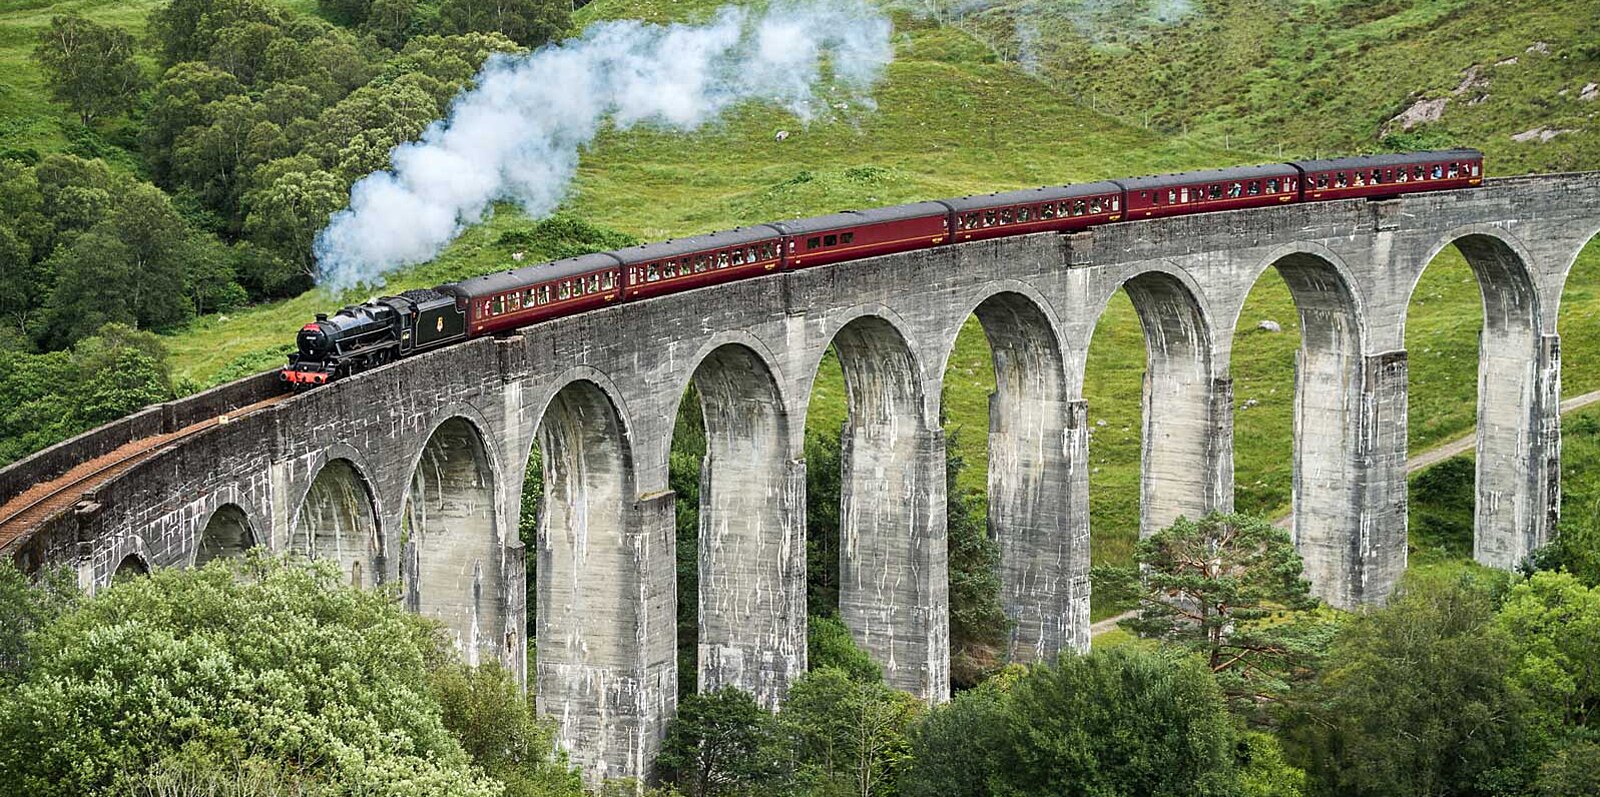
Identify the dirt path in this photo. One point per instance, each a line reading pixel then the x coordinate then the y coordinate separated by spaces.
pixel 1422 461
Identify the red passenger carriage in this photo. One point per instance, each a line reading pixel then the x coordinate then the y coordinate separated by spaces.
pixel 855 234
pixel 1062 208
pixel 1391 175
pixel 1208 191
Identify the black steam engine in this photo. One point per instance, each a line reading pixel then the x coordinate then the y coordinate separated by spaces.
pixel 368 335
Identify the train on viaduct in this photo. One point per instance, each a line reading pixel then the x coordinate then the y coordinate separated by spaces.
pixel 411 473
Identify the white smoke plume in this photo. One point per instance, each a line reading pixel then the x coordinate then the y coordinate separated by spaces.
pixel 517 135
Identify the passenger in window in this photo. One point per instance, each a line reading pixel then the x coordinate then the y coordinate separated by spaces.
pixel 651 274
pixel 1340 180
pixel 594 283
pixel 989 218
pixel 722 260
pixel 1094 205
pixel 1216 191
pixel 847 237
pixel 1322 181
pixel 1455 170
pixel 1079 207
pixel 811 243
pixel 1005 216
pixel 1437 171
pixel 1401 175
pixel 1172 196
pixel 1272 186
pixel 1024 214
pixel 1047 210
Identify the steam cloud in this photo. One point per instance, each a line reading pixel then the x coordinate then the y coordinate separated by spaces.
pixel 516 136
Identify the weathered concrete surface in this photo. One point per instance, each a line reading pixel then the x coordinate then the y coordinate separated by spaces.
pixel 422 463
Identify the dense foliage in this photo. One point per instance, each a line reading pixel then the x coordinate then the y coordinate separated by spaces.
pixel 264 667
pixel 1229 588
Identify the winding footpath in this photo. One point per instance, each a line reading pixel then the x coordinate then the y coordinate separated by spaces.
pixel 1422 461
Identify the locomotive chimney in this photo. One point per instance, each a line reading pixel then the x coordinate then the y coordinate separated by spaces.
pixel 322 316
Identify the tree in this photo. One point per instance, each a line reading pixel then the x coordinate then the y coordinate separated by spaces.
pixel 286 214
pixel 392 22
pixel 502 732
pixel 179 98
pixel 721 742
pixel 183 30
pixel 1114 722
pixel 844 736
pixel 529 23
pixel 26 607
pixel 90 67
pixel 955 749
pixel 257 659
pixel 829 645
pixel 1415 698
pixel 1553 621
pixel 978 623
pixel 1214 586
pixel 823 495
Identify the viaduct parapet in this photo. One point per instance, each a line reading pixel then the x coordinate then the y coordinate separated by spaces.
pixel 413 473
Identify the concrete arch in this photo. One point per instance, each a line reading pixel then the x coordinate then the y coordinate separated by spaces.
pixel 1186 444
pixel 594 591
pixel 226 535
pixel 1329 525
pixel 752 529
pixel 337 520
pixel 893 590
pixel 454 546
pixel 132 564
pixel 1509 504
pixel 1032 486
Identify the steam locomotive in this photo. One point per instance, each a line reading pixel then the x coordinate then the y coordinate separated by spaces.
pixel 368 335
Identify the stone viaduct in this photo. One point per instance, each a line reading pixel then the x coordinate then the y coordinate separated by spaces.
pixel 413 472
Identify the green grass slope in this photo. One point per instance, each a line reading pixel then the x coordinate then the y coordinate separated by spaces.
pixel 1326 76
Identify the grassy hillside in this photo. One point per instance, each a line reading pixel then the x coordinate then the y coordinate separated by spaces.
pixel 1325 75
pixel 956 115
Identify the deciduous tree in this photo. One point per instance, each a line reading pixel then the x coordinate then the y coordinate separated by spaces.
pixel 527 22
pixel 720 743
pixel 90 66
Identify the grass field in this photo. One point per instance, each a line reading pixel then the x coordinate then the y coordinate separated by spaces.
pixel 952 117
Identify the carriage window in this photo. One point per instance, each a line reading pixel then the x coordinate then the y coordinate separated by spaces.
pixel 497 305
pixel 1361 178
pixel 1116 203
pixel 1216 191
pixel 812 243
pixel 1322 181
pixel 1047 210
pixel 1255 187
pixel 1172 196
pixel 1078 207
pixel 1341 180
pixel 514 301
pixel 544 294
pixel 594 283
pixel 736 258
pixel 1455 170
pixel 1474 170
pixel 970 221
pixel 530 298
pixel 1401 175
pixel 1094 205
pixel 607 281
pixel 1272 186
pixel 651 273
pixel 1024 214
pixel 722 260
pixel 1437 171
pixel 988 218
pixel 847 237
pixel 1235 191
pixel 1183 194
pixel 830 240
pixel 564 290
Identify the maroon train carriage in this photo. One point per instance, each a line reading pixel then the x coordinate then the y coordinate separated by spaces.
pixel 507 300
pixel 1390 175
pixel 679 265
pixel 1062 208
pixel 1207 191
pixel 855 234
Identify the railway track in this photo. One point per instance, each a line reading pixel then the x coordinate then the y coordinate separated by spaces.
pixel 31 508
